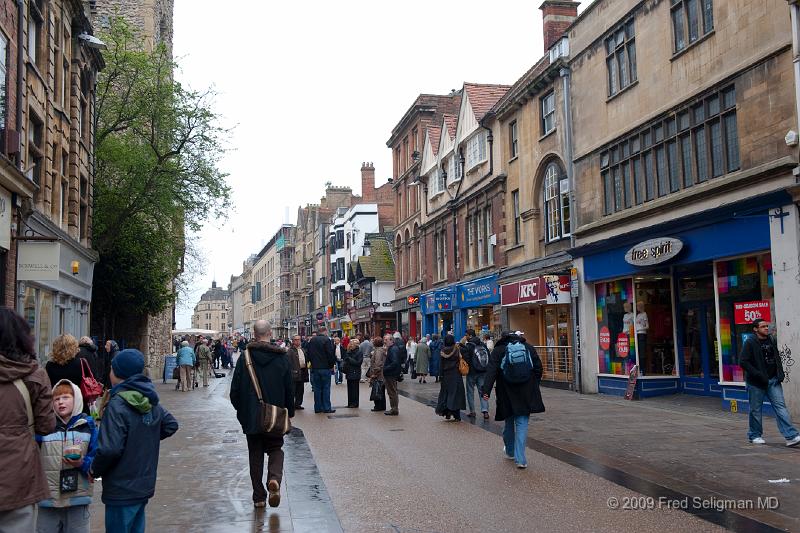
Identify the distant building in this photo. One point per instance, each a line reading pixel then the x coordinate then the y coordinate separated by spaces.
pixel 212 312
pixel 371 277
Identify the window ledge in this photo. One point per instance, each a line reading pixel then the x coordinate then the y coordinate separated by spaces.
pixel 513 159
pixel 548 134
pixel 436 194
pixel 515 247
pixel 631 85
pixel 677 55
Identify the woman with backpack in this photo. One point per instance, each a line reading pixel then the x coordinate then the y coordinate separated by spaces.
pixel 452 397
pixel 515 368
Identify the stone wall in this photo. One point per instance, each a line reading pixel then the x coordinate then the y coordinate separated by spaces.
pixel 154 18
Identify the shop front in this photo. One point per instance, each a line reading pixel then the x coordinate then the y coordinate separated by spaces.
pixel 408 315
pixel 438 312
pixel 679 306
pixel 541 308
pixel 371 323
pixel 478 306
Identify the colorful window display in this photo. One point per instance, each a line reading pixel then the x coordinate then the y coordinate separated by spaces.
pixel 745 290
pixel 615 326
pixel 653 325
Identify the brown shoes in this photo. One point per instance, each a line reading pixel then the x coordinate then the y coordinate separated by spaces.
pixel 274 489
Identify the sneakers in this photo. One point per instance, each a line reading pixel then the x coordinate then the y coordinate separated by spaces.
pixel 521 466
pixel 486 415
pixel 759 440
pixel 260 504
pixel 471 414
pixel 274 489
pixel 510 457
pixel 793 442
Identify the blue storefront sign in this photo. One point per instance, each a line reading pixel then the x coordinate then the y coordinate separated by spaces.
pixel 438 301
pixel 484 291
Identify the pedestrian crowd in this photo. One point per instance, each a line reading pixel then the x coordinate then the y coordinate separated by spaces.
pixel 61 429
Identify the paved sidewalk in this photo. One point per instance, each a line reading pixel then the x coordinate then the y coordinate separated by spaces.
pixel 675 447
pixel 203 476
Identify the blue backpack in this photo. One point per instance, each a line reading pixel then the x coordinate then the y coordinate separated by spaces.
pixel 517 365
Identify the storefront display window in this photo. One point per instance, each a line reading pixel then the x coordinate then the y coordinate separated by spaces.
pixel 480 319
pixel 444 323
pixel 745 291
pixel 652 322
pixel 557 361
pixel 614 301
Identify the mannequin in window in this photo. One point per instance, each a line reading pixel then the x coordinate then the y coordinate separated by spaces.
pixel 642 325
pixel 627 318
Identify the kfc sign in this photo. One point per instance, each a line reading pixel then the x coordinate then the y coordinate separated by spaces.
pixel 747 312
pixel 520 292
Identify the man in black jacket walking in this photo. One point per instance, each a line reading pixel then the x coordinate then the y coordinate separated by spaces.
pixel 322 357
pixel 396 356
pixel 271 366
pixel 763 374
pixel 476 355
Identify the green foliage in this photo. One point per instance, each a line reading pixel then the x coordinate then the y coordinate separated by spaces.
pixel 157 149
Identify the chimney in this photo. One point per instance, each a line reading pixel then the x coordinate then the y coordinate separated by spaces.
pixel 557 15
pixel 367 183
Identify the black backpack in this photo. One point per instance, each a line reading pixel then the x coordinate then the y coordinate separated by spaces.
pixel 480 357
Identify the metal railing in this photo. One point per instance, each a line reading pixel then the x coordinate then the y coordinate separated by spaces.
pixel 556 363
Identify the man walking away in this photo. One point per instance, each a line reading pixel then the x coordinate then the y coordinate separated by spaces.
pixel 204 359
pixel 299 367
pixel 476 355
pixel 764 374
pixel 515 367
pixel 271 367
pixel 395 358
pixel 133 426
pixel 366 351
pixel 321 355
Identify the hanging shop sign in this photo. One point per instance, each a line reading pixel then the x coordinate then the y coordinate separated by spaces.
pixel 413 300
pixel 573 282
pixel 38 261
pixel 747 312
pixel 654 251
pixel 557 289
pixel 483 291
pixel 5 219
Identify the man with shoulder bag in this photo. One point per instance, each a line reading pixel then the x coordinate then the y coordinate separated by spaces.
pixel 262 393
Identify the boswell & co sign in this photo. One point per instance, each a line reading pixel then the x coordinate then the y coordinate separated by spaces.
pixel 654 251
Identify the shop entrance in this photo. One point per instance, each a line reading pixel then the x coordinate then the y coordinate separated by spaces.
pixel 697 338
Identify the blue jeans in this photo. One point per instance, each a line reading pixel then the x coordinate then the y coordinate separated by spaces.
pixel 775 394
pixel 125 518
pixel 338 372
pixel 476 380
pixel 321 382
pixel 515 436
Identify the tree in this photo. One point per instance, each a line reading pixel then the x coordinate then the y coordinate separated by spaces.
pixel 157 149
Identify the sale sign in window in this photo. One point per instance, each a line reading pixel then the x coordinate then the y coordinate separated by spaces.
pixel 747 312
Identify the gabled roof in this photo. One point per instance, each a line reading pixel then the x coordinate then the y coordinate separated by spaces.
pixel 434 132
pixel 483 97
pixel 450 123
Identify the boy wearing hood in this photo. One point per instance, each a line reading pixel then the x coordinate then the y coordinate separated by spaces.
pixel 67 456
pixel 134 424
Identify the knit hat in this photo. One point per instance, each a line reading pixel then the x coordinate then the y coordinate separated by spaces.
pixel 127 363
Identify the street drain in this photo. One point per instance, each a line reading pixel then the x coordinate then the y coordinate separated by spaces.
pixel 342 416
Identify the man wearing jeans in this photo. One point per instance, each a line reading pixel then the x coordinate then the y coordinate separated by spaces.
pixel 764 374
pixel 321 355
pixel 471 352
pixel 515 401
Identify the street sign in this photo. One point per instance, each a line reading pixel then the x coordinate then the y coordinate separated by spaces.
pixel 573 282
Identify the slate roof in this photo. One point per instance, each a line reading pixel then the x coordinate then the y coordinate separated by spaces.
pixel 379 264
pixel 215 294
pixel 483 97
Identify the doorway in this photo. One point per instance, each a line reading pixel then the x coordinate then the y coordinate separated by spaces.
pixel 697 336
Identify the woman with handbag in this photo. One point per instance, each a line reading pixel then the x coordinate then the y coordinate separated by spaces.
pixel 64 363
pixel 351 361
pixel 375 374
pixel 452 396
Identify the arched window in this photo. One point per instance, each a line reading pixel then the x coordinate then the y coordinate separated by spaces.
pixel 556 203
pixel 408 262
pixel 399 264
pixel 418 258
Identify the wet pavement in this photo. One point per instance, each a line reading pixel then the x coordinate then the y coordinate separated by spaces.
pixel 680 448
pixel 203 477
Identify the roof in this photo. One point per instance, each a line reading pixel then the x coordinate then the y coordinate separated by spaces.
pixel 520 87
pixel 483 97
pixel 214 294
pixel 378 264
pixel 434 133
pixel 450 122
pixel 424 103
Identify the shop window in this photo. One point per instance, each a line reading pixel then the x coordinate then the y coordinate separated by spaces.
pixel 614 300
pixel 745 291
pixel 652 324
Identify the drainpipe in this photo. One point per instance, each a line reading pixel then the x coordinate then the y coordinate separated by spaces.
pixel 20 72
pixel 564 72
pixel 794 8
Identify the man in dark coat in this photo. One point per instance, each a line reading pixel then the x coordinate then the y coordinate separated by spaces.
pixel 477 373
pixel 322 356
pixel 763 375
pixel 299 366
pixel 396 357
pixel 515 401
pixel 271 367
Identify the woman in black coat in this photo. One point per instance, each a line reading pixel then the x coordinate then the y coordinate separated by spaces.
pixel 515 401
pixel 352 360
pixel 452 397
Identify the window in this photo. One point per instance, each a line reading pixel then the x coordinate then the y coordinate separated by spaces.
pixel 698 142
pixel 35 149
pixel 35 27
pixel 517 217
pixel 476 149
pixel 621 58
pixel 691 19
pixel 440 249
pixel 548 113
pixel 451 169
pixel 439 182
pixel 83 222
pixel 513 139
pixel 481 237
pixel 556 201
pixel 487 218
pixel 62 204
pixel 3 80
pixel 470 243
pixel 339 239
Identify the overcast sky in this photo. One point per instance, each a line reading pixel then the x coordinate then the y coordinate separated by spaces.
pixel 314 88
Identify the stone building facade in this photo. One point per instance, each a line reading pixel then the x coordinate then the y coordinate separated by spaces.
pixel 212 311
pixel 272 274
pixel 406 145
pixel 686 215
